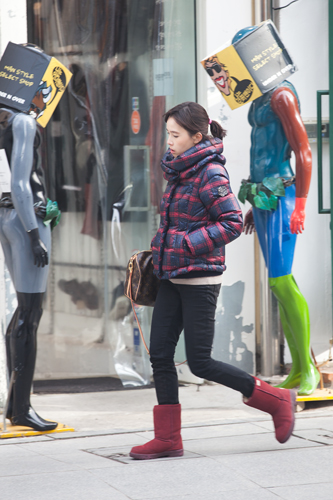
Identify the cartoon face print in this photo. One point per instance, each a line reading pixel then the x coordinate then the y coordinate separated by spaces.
pixel 218 74
pixel 40 100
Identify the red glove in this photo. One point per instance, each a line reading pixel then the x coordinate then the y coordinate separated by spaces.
pixel 249 226
pixel 298 216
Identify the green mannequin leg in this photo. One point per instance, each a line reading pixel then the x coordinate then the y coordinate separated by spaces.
pixel 294 377
pixel 296 316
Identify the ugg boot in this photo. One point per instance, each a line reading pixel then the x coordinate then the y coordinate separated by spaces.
pixel 280 403
pixel 168 441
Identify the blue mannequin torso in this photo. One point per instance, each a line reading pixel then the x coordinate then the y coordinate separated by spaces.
pixel 270 150
pixel 270 157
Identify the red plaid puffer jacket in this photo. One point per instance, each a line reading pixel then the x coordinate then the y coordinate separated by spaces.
pixel 199 213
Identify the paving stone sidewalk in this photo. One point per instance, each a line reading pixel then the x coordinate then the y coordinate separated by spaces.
pixel 230 451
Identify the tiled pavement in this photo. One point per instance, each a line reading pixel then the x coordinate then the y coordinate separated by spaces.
pixel 230 451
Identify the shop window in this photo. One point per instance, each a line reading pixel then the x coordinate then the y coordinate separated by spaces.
pixel 131 61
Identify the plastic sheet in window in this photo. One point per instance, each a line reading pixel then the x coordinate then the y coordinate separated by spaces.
pixel 109 207
pixel 130 357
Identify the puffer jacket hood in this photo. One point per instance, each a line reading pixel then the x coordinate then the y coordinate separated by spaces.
pixel 190 162
pixel 199 213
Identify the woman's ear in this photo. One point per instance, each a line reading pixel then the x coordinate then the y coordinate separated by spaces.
pixel 197 137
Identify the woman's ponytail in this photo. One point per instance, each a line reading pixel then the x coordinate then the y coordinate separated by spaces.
pixel 194 118
pixel 217 130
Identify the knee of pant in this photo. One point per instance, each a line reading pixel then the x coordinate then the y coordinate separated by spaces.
pixel 199 368
pixel 161 362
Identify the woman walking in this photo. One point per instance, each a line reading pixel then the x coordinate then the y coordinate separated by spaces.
pixel 199 216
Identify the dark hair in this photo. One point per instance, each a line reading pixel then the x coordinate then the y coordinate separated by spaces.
pixel 194 118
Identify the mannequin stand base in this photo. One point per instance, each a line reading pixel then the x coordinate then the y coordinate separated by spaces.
pixel 14 431
pixel 317 395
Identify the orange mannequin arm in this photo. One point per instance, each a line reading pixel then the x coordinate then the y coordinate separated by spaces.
pixel 285 106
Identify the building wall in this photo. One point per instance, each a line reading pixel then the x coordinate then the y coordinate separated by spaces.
pixel 217 22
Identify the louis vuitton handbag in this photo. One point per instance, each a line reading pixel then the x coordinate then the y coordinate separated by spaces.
pixel 141 284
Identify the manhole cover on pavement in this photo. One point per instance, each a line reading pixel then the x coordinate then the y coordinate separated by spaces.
pixel 121 455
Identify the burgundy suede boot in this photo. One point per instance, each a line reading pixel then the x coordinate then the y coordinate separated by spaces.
pixel 280 403
pixel 167 441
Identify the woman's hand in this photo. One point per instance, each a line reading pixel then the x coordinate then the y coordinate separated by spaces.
pixel 249 226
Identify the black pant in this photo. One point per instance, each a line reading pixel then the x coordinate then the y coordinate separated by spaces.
pixel 191 307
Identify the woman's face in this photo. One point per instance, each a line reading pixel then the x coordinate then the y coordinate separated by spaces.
pixel 179 139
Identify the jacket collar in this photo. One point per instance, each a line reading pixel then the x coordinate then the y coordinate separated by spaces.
pixel 188 163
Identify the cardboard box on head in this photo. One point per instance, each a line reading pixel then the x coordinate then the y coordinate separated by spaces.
pixel 31 81
pixel 251 66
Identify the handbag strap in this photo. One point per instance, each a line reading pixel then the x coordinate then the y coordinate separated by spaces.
pixel 130 266
pixel 129 290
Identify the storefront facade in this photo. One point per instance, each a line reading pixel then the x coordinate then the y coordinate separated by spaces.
pixel 131 62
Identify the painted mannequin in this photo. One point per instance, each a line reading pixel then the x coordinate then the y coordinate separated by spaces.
pixel 26 243
pixel 277 129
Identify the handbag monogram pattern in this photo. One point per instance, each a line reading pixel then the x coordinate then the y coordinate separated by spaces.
pixel 141 284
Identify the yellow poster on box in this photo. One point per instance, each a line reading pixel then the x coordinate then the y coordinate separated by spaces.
pixel 255 63
pixel 231 77
pixel 53 84
pixel 31 81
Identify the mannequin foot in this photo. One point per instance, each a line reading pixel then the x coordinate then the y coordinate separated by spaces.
pixel 309 381
pixel 32 419
pixel 293 380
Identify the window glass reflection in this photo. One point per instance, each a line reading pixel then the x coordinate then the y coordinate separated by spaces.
pixel 102 152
